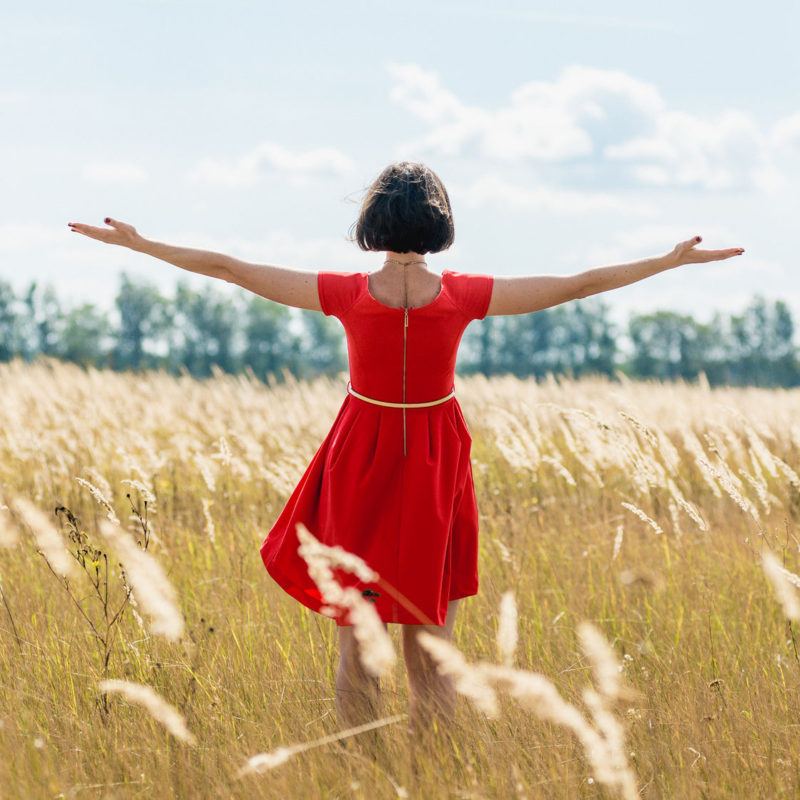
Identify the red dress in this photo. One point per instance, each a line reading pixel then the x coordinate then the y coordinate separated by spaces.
pixel 413 518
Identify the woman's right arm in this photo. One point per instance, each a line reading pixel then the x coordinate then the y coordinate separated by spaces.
pixel 286 285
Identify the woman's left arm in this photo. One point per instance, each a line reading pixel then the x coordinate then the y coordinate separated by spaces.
pixel 527 293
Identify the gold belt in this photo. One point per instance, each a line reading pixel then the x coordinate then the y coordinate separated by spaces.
pixel 404 406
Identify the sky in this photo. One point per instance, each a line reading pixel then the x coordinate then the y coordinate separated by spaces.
pixel 569 136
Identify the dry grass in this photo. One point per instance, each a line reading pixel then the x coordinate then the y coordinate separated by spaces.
pixel 637 517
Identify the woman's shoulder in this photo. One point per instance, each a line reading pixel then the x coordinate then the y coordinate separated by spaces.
pixel 338 290
pixel 471 291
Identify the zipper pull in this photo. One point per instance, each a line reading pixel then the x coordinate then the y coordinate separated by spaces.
pixel 405 317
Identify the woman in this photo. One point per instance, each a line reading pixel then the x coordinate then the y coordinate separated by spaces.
pixel 392 480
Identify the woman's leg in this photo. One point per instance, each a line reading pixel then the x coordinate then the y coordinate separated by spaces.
pixel 429 692
pixel 358 695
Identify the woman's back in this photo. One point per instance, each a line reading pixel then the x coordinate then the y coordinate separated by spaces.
pixel 385 344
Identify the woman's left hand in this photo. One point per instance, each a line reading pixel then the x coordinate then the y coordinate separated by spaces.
pixel 687 253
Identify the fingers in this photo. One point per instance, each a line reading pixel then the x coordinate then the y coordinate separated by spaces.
pixel 716 255
pixel 701 256
pixel 90 230
pixel 81 228
pixel 689 243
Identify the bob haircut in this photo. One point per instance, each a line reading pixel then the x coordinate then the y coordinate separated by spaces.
pixel 405 210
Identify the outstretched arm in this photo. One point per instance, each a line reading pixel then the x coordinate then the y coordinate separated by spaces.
pixel 521 295
pixel 292 287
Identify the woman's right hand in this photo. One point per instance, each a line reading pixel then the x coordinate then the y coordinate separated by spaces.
pixel 118 233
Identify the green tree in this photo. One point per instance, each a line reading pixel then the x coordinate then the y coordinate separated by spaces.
pixel 205 322
pixel 45 320
pixel 10 334
pixel 144 319
pixel 575 338
pixel 761 348
pixel 85 335
pixel 323 344
pixel 668 345
pixel 270 343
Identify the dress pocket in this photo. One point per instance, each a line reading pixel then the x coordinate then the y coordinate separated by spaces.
pixel 446 413
pixel 342 436
pixel 460 422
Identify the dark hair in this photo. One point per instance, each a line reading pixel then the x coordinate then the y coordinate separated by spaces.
pixel 406 209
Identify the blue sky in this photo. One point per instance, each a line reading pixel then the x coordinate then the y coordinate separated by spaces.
pixel 569 136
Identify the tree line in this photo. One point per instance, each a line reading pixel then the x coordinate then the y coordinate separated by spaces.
pixel 195 330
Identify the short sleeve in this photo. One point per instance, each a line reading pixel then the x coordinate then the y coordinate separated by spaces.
pixel 473 292
pixel 337 291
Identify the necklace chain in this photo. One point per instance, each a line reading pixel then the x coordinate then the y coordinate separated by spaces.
pixel 405 262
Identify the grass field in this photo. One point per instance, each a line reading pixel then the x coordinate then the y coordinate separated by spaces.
pixel 644 509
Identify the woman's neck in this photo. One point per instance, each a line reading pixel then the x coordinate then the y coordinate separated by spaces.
pixel 396 261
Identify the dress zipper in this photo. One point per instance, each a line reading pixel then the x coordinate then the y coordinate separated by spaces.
pixel 405 337
pixel 405 332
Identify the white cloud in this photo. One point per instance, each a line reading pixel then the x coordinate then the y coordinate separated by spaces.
pixel 597 122
pixel 10 96
pixel 19 237
pixel 114 172
pixel 544 121
pixel 270 157
pixel 492 190
pixel 785 132
pixel 728 151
